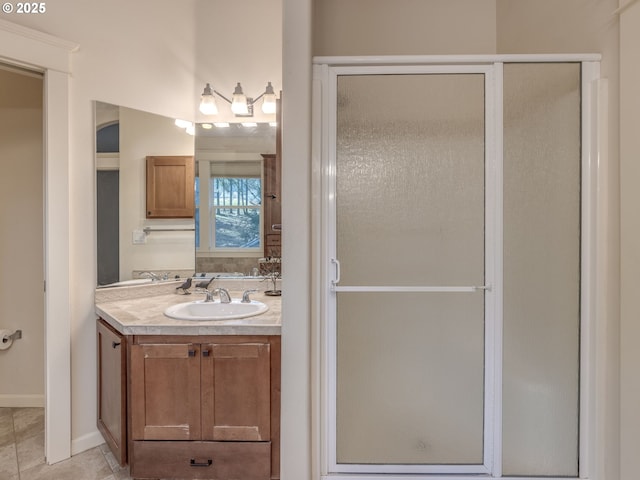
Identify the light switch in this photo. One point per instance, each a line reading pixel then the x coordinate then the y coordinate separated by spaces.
pixel 139 237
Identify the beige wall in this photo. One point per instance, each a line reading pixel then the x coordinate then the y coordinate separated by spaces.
pixel 21 238
pixel 143 134
pixel 404 27
pixel 630 240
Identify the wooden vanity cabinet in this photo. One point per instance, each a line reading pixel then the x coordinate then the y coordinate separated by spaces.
pixel 112 389
pixel 202 407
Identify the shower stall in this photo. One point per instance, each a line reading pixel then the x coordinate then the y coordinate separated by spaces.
pixel 455 221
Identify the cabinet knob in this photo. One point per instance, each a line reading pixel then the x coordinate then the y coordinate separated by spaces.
pixel 205 353
pixel 201 464
pixel 115 344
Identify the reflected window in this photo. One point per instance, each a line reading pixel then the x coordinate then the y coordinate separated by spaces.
pixel 236 205
pixel 229 205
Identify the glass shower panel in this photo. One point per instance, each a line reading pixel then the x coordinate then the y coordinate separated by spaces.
pixel 410 179
pixel 541 269
pixel 410 190
pixel 410 387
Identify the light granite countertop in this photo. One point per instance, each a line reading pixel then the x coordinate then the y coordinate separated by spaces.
pixel 139 310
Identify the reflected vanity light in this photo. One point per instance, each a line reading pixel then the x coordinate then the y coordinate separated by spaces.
pixel 209 126
pixel 189 127
pixel 241 105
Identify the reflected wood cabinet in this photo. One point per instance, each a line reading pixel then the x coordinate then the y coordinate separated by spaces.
pixel 272 204
pixel 205 407
pixel 170 187
pixel 273 192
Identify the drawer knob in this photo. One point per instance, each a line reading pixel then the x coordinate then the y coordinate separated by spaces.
pixel 201 464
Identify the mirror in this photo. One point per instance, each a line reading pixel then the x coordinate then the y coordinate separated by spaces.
pixel 237 199
pixel 242 164
pixel 129 243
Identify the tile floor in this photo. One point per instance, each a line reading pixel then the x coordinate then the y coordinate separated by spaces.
pixel 22 452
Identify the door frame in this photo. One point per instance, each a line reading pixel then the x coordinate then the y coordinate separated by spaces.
pixel 594 197
pixel 50 55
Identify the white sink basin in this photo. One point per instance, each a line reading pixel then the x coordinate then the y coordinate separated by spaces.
pixel 204 311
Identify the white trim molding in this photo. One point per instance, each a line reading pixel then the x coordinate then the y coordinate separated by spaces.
pixel 29 48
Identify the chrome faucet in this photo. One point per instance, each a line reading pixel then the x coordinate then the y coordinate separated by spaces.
pixel 151 275
pixel 224 294
pixel 245 295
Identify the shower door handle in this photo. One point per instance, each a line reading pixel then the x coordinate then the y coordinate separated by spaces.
pixel 335 281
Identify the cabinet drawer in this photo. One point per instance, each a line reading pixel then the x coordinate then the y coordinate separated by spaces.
pixel 201 460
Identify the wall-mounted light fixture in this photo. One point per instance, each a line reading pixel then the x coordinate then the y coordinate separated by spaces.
pixel 241 105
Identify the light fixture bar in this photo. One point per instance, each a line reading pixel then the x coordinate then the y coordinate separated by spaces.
pixel 241 105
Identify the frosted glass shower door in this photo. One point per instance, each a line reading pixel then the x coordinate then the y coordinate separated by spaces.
pixel 410 288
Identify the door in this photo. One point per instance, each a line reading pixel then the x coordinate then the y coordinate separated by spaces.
pixel 165 392
pixel 411 283
pixel 112 390
pixel 108 229
pixel 236 392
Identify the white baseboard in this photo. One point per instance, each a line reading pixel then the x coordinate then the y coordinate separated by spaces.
pixel 21 401
pixel 86 442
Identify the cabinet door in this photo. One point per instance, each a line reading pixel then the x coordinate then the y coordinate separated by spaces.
pixel 170 187
pixel 112 391
pixel 236 397
pixel 165 392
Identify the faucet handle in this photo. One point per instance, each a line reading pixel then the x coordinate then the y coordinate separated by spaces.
pixel 208 293
pixel 245 295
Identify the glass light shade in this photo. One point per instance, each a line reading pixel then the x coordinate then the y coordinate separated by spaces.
pixel 269 100
pixel 239 105
pixel 269 103
pixel 208 102
pixel 239 101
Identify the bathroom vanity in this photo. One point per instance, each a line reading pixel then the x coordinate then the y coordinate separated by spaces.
pixel 188 399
